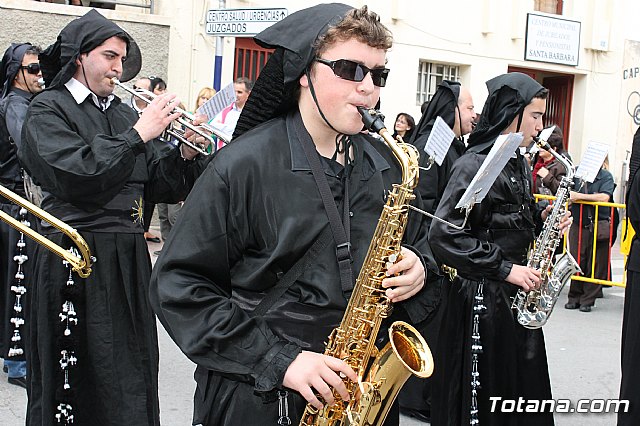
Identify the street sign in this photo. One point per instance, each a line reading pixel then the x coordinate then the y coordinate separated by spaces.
pixel 242 22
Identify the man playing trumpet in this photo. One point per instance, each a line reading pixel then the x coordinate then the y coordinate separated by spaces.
pixel 96 162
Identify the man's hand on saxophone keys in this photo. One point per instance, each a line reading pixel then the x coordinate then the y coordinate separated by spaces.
pixel 406 277
pixel 313 371
pixel 565 222
pixel 525 277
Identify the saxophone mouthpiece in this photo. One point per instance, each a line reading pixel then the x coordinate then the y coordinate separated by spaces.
pixel 373 120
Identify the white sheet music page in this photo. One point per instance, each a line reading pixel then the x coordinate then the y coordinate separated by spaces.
pixel 592 160
pixel 439 140
pixel 218 102
pixel 545 134
pixel 501 151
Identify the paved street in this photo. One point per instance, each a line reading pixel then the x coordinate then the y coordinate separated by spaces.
pixel 583 351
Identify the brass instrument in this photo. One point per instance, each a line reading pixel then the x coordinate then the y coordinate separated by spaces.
pixel 381 373
pixel 534 307
pixel 186 120
pixel 79 264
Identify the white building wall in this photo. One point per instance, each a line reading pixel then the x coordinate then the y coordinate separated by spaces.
pixel 483 37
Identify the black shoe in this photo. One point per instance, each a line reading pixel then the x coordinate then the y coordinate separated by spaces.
pixel 157 252
pixel 422 415
pixel 153 239
pixel 18 381
pixel 585 308
pixel 572 305
pixel 5 368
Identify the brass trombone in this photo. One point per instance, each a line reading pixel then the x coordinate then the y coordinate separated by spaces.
pixel 185 120
pixel 80 264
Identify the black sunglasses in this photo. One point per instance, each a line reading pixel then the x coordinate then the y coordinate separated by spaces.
pixel 353 71
pixel 31 68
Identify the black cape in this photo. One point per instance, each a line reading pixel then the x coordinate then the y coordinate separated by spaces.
pixel 254 212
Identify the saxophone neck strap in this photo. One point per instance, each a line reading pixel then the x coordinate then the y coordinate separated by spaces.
pixel 340 228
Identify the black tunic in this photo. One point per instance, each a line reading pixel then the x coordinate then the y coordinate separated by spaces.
pixel 630 384
pixel 513 363
pixel 254 212
pixel 13 109
pixel 416 393
pixel 95 171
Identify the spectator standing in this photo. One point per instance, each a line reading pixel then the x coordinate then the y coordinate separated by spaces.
pixel 225 121
pixel 582 294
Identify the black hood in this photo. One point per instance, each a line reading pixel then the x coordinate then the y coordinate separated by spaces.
pixel 293 38
pixel 82 35
pixel 10 65
pixel 509 94
pixel 443 104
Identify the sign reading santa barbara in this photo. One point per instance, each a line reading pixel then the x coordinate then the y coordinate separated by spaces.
pixel 551 39
pixel 242 22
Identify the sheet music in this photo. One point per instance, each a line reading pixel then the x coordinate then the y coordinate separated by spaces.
pixel 545 134
pixel 502 150
pixel 439 140
pixel 592 160
pixel 218 102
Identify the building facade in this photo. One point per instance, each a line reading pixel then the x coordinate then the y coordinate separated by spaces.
pixel 580 49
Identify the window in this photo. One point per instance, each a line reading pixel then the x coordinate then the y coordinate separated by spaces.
pixel 548 6
pixel 249 58
pixel 430 75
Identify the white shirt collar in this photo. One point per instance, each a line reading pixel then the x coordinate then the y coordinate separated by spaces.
pixel 80 92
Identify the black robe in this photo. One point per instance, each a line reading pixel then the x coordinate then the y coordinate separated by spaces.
pixel 630 384
pixel 13 109
pixel 498 234
pixel 95 172
pixel 254 212
pixel 416 393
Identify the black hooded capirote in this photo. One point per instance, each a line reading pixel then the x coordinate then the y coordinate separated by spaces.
pixel 96 173
pixel 82 35
pixel 496 237
pixel 274 92
pixel 509 94
pixel 255 212
pixel 10 65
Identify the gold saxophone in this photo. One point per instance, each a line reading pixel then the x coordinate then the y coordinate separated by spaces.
pixel 381 373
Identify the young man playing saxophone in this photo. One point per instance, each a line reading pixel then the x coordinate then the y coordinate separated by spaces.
pixel 257 210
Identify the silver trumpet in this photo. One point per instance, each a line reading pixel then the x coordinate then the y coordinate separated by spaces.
pixel 185 120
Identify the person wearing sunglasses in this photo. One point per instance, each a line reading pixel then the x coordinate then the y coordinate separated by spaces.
pixel 257 210
pixel 97 161
pixel 20 74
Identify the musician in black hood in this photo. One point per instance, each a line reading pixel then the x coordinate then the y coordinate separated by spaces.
pixel 479 333
pixel 93 356
pixel 20 75
pixel 454 104
pixel 257 210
